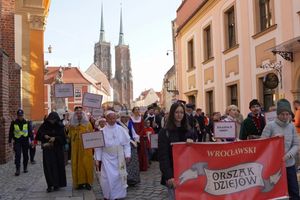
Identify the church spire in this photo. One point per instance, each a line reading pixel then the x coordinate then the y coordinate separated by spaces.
pixel 121 36
pixel 102 37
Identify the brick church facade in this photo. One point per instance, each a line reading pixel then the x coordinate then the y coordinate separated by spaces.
pixel 122 81
pixel 9 76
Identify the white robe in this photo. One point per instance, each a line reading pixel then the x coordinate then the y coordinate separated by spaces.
pixel 113 187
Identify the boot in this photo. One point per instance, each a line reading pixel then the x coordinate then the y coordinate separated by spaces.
pixel 25 169
pixel 17 172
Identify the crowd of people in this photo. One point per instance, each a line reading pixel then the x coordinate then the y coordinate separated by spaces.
pixel 128 149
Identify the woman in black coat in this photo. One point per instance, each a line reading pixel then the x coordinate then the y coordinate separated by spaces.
pixel 52 136
pixel 176 130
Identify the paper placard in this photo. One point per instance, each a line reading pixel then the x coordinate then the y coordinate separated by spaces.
pixel 93 140
pixel 64 90
pixel 91 100
pixel 97 112
pixel 270 116
pixel 225 130
pixel 154 140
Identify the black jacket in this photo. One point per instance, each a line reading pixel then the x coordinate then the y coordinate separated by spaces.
pixel 20 124
pixel 165 157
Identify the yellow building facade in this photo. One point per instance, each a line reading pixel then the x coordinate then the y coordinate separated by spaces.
pixel 30 21
pixel 225 48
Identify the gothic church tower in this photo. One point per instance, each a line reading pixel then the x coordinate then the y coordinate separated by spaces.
pixel 123 86
pixel 102 56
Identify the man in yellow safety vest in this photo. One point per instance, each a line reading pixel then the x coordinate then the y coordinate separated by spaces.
pixel 20 131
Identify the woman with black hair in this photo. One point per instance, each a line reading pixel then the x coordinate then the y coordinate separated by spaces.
pixel 176 130
pixel 52 136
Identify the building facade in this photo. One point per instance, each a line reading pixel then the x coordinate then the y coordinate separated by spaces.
pixel 21 63
pixel 82 83
pixel 226 49
pixel 147 98
pixel 169 90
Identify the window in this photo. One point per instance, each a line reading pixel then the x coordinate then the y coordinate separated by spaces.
pixel 230 28
pixel 233 95
pixel 77 93
pixel 207 43
pixel 264 14
pixel 191 54
pixel 192 99
pixel 209 102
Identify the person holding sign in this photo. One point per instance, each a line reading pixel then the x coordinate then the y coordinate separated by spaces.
pixel 176 130
pixel 282 126
pixel 114 156
pixel 81 159
pixel 255 122
pixel 231 116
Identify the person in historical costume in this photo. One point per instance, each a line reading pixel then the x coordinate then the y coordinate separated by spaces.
pixel 133 168
pixel 255 122
pixel 138 124
pixel 113 157
pixel 81 159
pixel 52 136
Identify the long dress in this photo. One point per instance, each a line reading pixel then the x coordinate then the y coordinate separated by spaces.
pixel 132 167
pixel 81 159
pixel 138 125
pixel 113 178
pixel 53 155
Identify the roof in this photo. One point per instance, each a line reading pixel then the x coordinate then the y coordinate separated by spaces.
pixel 187 10
pixel 145 93
pixel 94 72
pixel 70 75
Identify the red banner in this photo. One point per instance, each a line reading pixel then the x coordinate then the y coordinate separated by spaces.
pixel 251 169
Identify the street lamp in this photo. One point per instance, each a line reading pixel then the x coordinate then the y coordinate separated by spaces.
pixel 167 85
pixel 49 49
pixel 168 52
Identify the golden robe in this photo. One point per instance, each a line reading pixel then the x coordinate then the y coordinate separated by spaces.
pixel 81 159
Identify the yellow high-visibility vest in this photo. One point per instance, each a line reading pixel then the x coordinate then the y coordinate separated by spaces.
pixel 18 133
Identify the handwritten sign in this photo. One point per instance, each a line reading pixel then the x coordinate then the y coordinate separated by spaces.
pixel 270 116
pixel 225 130
pixel 154 140
pixel 64 90
pixel 93 140
pixel 91 100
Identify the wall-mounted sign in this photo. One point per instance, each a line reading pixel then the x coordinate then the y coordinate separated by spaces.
pixel 271 81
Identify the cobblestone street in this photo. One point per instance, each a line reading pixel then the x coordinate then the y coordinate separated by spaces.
pixel 32 186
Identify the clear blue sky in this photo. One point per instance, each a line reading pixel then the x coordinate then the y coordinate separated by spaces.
pixel 73 27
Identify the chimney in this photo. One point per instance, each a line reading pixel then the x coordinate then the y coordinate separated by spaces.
pixel 69 65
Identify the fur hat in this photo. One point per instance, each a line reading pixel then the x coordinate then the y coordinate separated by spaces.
pixel 254 102
pixel 283 105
